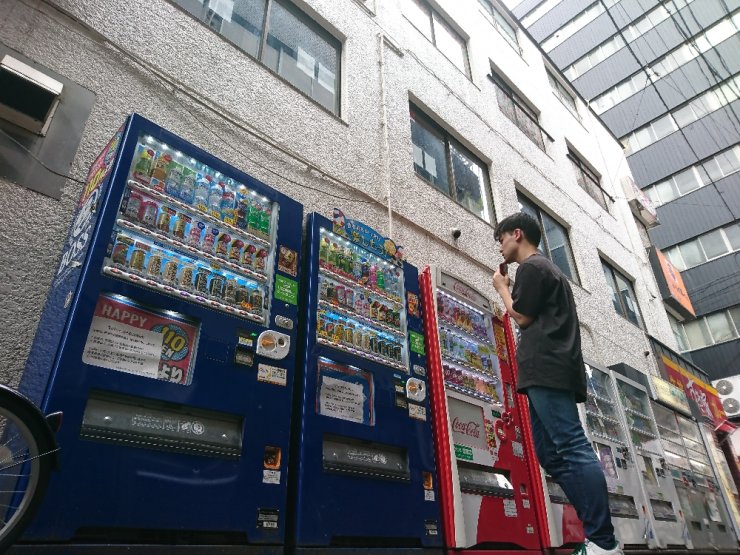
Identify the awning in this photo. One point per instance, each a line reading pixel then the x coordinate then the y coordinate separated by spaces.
pixel 726 427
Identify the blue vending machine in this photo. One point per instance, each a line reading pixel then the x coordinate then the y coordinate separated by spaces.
pixel 169 341
pixel 363 473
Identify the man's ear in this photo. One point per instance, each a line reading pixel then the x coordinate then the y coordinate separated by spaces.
pixel 518 234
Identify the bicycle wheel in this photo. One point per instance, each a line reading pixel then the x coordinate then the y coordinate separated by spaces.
pixel 24 468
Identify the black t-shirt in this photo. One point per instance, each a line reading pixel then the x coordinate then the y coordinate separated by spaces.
pixel 549 352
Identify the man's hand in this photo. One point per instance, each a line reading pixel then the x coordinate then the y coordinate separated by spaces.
pixel 501 281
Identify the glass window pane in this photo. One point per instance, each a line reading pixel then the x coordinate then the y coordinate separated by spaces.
pixel 686 181
pixel 735 314
pixel 684 116
pixel 505 103
pixel 713 170
pixel 297 52
pixel 674 256
pixel 729 161
pixel 557 241
pixel 450 44
pixel 720 327
pixel 667 191
pixel 420 15
pixel 430 159
pixel 733 236
pixel 470 182
pixel 505 26
pixel 664 126
pixel 609 275
pixel 528 208
pixel 697 333
pixel 628 299
pixel 713 243
pixel 692 254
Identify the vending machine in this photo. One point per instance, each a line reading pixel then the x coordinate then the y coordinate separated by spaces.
pixel 168 341
pixel 485 478
pixel 606 432
pixel 725 485
pixel 363 473
pixel 661 508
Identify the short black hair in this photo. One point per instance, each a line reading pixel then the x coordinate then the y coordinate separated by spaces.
pixel 529 226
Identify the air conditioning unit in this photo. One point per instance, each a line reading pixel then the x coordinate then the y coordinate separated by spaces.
pixel 729 393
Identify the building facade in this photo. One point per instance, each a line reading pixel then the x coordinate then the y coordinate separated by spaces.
pixel 663 76
pixel 417 118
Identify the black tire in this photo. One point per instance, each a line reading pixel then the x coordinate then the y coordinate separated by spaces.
pixel 27 471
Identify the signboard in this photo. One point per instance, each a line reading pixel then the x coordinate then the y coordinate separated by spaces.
pixel 671 395
pixel 670 282
pixel 127 337
pixel 468 427
pixel 641 206
pixel 704 395
pixel 345 392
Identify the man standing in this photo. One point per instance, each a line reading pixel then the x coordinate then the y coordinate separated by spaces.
pixel 552 375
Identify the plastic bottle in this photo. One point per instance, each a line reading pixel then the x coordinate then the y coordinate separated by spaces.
pixel 228 204
pixel 265 220
pixel 172 181
pixel 255 216
pixel 202 188
pixel 187 186
pixel 373 276
pixel 215 194
pixel 381 279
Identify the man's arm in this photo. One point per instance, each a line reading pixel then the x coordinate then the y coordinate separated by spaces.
pixel 501 283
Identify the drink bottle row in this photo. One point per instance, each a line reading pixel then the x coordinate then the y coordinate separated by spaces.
pixel 460 349
pixel 142 210
pixel 465 318
pixel 468 381
pixel 206 190
pixel 352 262
pixel 174 270
pixel 348 333
pixel 365 305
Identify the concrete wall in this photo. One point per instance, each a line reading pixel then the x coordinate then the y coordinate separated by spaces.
pixel 149 56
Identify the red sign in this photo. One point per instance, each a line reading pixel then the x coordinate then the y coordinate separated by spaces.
pixel 704 395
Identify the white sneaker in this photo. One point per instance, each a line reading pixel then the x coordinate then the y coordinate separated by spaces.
pixel 591 548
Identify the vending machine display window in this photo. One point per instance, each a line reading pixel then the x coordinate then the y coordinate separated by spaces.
pixel 602 418
pixel 360 304
pixel 637 410
pixel 193 233
pixel 606 458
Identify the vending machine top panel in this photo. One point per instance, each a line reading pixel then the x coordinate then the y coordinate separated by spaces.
pixel 466 292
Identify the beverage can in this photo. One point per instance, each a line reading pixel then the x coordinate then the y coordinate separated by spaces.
pixel 255 299
pixel 149 216
pixel 358 338
pixel 186 277
pixel 349 297
pixel 170 271
pixel 154 266
pixel 338 332
pixel 230 291
pixel 366 341
pixel 133 207
pixel 178 230
pixel 201 280
pixel 216 286
pixel 242 295
pixel 137 260
pixel 163 221
pixel 323 288
pixel 120 250
pixel 349 335
pixel 340 295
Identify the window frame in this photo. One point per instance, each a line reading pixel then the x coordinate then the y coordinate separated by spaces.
pixel 443 20
pixel 579 165
pixel 615 287
pixel 519 102
pixel 524 200
pixel 418 116
pixel 560 90
pixel 677 258
pixel 703 323
pixel 309 22
pixel 491 11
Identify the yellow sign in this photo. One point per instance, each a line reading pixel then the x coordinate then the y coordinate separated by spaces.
pixel 671 395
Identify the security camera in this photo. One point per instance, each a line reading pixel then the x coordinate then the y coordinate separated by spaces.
pixel 646 353
pixel 456 232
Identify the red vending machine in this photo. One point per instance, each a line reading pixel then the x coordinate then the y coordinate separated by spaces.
pixel 487 480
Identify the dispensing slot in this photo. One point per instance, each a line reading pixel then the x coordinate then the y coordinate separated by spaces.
pixel 146 423
pixel 484 481
pixel 369 459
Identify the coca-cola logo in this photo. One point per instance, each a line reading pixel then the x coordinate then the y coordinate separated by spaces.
pixel 470 428
pixel 464 290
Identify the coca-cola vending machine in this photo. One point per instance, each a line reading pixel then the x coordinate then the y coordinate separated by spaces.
pixel 487 480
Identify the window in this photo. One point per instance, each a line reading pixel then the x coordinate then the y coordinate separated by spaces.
pixel 678 333
pixel 710 101
pixel 588 180
pixel 563 94
pixel 439 32
pixel 711 329
pixel 518 111
pixel 287 41
pixel 623 296
pixel 450 167
pixel 647 22
pixel 705 247
pixel 555 244
pixel 684 182
pixel 501 23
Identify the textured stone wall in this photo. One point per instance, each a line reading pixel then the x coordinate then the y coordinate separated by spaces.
pixel 150 57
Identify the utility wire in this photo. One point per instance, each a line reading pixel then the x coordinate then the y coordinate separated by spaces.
pixel 37 159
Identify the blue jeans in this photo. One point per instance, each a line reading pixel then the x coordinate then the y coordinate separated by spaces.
pixel 565 453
